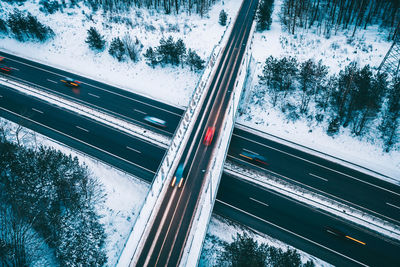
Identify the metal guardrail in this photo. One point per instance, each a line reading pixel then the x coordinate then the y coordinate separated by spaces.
pixel 169 161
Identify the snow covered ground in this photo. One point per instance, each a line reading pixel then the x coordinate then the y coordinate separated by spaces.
pixel 124 194
pixel 222 230
pixel 174 85
pixel 368 47
pixel 68 50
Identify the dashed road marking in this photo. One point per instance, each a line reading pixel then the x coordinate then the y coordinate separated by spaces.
pixel 39 111
pixel 139 111
pixel 83 129
pixel 319 177
pixel 93 95
pixel 51 81
pixel 137 151
pixel 258 201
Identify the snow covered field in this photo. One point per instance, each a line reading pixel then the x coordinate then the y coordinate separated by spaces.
pixel 174 85
pixel 68 50
pixel 124 194
pixel 368 47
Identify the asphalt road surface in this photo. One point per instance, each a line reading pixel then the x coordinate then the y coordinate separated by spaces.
pixel 316 232
pixel 119 102
pixel 167 237
pixel 343 184
pixel 124 151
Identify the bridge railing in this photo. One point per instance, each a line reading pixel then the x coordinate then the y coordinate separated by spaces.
pixel 170 161
pixel 205 205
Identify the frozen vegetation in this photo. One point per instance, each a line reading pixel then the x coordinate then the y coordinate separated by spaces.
pixel 158 50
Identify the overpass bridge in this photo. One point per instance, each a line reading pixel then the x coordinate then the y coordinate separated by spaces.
pixel 173 221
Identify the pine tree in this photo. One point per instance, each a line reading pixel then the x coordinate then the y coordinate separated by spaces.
pixel 95 40
pixel 117 49
pixel 222 17
pixel 194 60
pixel 3 26
pixel 180 51
pixel 150 57
pixel 389 126
pixel 264 14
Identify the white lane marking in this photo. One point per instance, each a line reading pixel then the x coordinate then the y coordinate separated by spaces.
pixel 319 177
pixel 111 92
pixel 258 201
pixel 39 111
pixel 139 111
pixel 15 68
pixel 1 96
pixel 323 192
pixel 322 166
pixel 293 233
pixel 76 139
pixel 93 95
pixel 164 217
pixel 250 151
pixel 51 81
pixel 83 129
pixel 137 151
pixel 394 206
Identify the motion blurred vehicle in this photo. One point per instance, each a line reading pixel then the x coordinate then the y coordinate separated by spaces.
pixel 178 178
pixel 70 82
pixel 156 121
pixel 209 136
pixel 1 59
pixel 253 156
pixel 5 69
pixel 342 235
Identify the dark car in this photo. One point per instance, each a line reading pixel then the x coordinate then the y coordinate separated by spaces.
pixel 253 156
pixel 178 177
pixel 5 69
pixel 70 82
pixel 341 235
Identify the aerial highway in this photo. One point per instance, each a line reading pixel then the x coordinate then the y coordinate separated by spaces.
pixel 294 223
pixel 128 153
pixel 329 238
pixel 325 177
pixel 344 184
pixel 315 173
pixel 169 231
pixel 118 102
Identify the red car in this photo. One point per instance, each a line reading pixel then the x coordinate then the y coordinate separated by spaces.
pixel 5 69
pixel 209 136
pixel 1 58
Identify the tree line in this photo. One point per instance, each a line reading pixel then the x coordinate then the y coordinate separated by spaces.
pixel 358 98
pixel 24 26
pixel 168 51
pixel 329 16
pixel 245 251
pixel 47 200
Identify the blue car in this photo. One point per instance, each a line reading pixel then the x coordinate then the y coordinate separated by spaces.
pixel 253 156
pixel 155 121
pixel 178 177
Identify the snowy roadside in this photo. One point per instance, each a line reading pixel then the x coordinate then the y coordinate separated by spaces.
pixel 368 47
pixel 222 230
pixel 68 50
pixel 124 193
